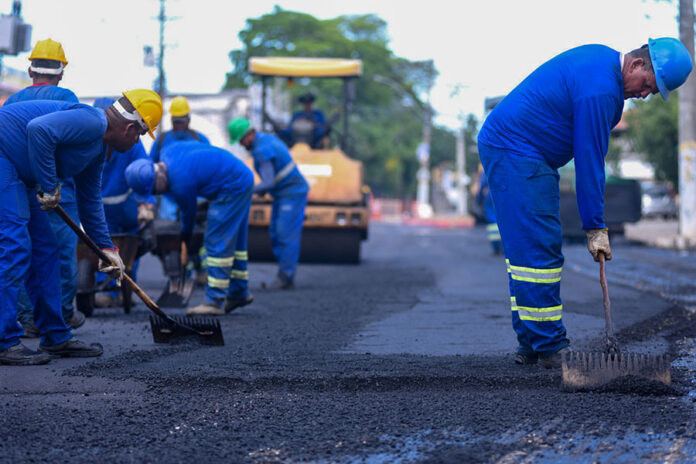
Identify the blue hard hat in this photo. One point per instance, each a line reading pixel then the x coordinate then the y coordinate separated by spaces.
pixel 671 62
pixel 140 176
pixel 103 102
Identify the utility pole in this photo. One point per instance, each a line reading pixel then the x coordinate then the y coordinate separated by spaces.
pixel 423 153
pixel 687 129
pixel 462 179
pixel 161 86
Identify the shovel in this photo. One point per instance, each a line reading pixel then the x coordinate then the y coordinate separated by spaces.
pixel 588 370
pixel 179 290
pixel 165 328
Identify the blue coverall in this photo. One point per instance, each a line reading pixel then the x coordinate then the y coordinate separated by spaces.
pixel 485 198
pixel 318 119
pixel 196 169
pixel 42 142
pixel 167 207
pixel 565 109
pixel 289 191
pixel 67 240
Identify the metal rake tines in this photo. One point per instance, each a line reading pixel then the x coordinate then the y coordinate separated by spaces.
pixel 619 362
pixel 207 330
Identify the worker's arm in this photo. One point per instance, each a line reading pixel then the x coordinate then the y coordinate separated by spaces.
pixel 89 203
pixel 136 153
pixel 593 120
pixel 45 133
pixel 267 174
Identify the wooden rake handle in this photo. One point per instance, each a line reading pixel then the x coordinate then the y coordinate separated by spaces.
pixel 612 345
pixel 85 238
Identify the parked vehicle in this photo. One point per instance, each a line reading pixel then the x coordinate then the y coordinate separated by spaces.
pixel 657 201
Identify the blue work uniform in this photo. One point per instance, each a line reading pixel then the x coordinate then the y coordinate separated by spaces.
pixel 484 197
pixel 167 206
pixel 289 191
pixel 196 169
pixel 565 109
pixel 42 142
pixel 315 116
pixel 67 240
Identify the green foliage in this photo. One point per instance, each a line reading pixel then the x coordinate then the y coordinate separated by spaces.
pixel 654 131
pixel 387 116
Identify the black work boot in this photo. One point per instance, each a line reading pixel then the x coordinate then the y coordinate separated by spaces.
pixel 526 358
pixel 20 355
pixel 233 303
pixel 554 361
pixel 73 349
pixel 77 320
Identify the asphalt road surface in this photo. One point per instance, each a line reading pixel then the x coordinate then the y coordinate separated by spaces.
pixel 404 358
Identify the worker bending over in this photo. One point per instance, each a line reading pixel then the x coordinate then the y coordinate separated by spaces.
pixel 46 71
pixel 191 169
pixel 41 142
pixel 282 179
pixel 565 109
pixel 180 113
pixel 123 213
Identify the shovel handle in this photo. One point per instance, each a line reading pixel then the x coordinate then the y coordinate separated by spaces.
pixel 612 345
pixel 93 246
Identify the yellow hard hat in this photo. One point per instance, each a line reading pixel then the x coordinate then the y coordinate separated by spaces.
pixel 48 50
pixel 179 107
pixel 148 105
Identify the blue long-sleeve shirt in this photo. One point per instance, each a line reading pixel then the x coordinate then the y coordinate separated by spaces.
pixel 195 169
pixel 47 140
pixel 42 92
pixel 120 208
pixel 565 109
pixel 288 179
pixel 170 137
pixel 48 92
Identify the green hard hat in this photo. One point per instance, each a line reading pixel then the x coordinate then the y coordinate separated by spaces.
pixel 237 128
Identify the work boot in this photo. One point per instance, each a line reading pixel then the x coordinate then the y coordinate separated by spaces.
pixel 526 358
pixel 554 361
pixel 30 329
pixel 73 349
pixel 77 320
pixel 277 284
pixel 206 309
pixel 20 355
pixel 233 303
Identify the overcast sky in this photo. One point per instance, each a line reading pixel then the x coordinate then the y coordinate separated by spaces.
pixel 485 46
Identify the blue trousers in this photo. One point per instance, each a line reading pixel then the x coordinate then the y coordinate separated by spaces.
pixel 226 247
pixel 287 217
pixel 527 202
pixel 29 254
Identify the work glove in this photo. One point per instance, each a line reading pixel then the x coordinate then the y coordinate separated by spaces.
pixel 116 267
pixel 49 200
pixel 146 212
pixel 598 241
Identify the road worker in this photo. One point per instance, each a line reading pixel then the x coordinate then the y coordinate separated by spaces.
pixel 42 142
pixel 281 178
pixel 123 213
pixel 46 71
pixel 565 109
pixel 307 125
pixel 192 169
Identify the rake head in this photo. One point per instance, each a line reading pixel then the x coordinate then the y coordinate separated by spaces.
pixel 204 330
pixel 582 370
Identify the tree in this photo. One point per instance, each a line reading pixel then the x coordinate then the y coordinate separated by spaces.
pixel 653 131
pixel 387 119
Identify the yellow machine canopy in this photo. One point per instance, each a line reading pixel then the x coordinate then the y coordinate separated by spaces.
pixel 305 67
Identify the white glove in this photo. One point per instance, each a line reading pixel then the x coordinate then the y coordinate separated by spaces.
pixel 116 267
pixel 146 212
pixel 49 200
pixel 598 241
